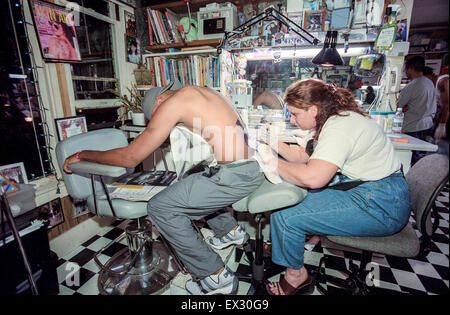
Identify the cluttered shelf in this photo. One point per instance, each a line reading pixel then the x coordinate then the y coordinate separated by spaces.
pixel 180 6
pixel 195 43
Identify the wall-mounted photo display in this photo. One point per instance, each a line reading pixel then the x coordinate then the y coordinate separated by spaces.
pixel 70 126
pixel 55 27
pixel 133 47
pixel 80 207
pixel 14 172
pixel 130 24
pixel 52 212
pixel 7 185
pixel 314 20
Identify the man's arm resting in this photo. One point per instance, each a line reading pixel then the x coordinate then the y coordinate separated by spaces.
pixel 157 131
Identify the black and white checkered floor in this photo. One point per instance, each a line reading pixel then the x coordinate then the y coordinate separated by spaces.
pixel 416 276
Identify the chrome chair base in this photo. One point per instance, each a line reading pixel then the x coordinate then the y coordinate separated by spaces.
pixel 144 267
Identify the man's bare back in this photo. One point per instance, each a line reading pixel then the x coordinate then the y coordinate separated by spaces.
pixel 208 113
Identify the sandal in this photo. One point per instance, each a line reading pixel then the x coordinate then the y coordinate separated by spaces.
pixel 306 287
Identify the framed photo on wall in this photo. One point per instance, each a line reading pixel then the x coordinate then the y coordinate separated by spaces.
pixel 70 126
pixel 133 49
pixel 314 20
pixel 7 185
pixel 55 28
pixel 52 212
pixel 130 24
pixel 14 172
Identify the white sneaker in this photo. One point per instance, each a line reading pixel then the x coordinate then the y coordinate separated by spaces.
pixel 237 237
pixel 223 283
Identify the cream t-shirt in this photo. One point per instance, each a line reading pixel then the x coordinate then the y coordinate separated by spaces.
pixel 357 146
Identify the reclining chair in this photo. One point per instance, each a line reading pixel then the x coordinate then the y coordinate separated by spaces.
pixel 425 179
pixel 146 266
pixel 268 197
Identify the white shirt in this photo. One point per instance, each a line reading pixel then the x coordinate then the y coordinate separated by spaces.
pixel 357 146
pixel 420 96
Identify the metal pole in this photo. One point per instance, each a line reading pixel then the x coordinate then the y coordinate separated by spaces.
pixel 7 210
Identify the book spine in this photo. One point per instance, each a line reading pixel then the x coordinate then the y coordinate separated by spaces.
pixel 157 71
pixel 150 35
pixel 163 72
pixel 180 71
pixel 163 29
pixel 159 26
pixel 167 27
pixel 171 28
pixel 154 27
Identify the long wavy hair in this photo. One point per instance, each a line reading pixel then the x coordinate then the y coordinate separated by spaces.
pixel 329 99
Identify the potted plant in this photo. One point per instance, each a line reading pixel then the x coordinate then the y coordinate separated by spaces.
pixel 133 105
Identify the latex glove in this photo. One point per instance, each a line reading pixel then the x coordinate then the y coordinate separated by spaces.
pixel 440 131
pixel 267 138
pixel 267 161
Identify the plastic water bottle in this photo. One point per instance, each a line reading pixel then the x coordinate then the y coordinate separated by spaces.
pixel 397 122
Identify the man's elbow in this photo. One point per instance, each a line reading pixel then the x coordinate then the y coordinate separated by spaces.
pixel 130 161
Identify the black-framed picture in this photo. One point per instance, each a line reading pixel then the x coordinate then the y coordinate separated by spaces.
pixel 130 24
pixel 55 28
pixel 52 212
pixel 15 172
pixel 70 126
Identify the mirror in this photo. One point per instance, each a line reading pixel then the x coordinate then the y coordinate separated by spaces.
pixel 369 66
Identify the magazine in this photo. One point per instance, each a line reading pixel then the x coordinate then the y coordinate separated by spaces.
pixel 149 178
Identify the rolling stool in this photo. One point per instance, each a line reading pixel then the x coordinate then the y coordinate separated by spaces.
pixel 268 197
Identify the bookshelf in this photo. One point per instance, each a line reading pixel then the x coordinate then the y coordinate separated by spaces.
pixel 195 5
pixel 200 67
pixel 196 43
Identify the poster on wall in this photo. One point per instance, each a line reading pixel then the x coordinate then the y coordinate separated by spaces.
pixel 133 47
pixel 55 28
pixel 130 24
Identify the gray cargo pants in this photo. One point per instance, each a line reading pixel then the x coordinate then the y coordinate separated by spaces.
pixel 195 197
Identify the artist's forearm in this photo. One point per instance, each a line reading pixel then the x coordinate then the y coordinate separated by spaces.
pixel 116 157
pixel 298 174
pixel 295 154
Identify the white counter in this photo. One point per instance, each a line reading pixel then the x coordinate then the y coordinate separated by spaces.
pixel 404 150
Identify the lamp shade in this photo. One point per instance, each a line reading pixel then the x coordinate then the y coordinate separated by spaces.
pixel 318 58
pixel 330 55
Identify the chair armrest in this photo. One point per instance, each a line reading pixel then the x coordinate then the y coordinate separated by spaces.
pixel 97 169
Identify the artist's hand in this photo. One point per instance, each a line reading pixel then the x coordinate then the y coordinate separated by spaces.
pixel 440 132
pixel 266 137
pixel 405 108
pixel 70 160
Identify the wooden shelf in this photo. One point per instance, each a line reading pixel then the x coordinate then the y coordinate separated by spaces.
pixel 181 7
pixel 195 43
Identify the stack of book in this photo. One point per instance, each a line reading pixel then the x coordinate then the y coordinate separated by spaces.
pixel 163 27
pixel 193 70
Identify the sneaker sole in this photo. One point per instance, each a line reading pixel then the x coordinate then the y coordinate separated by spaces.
pixel 236 242
pixel 229 289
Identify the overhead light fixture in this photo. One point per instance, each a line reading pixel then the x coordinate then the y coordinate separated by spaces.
pixel 329 56
pixel 317 60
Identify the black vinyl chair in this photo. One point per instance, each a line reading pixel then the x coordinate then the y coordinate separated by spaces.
pixel 425 179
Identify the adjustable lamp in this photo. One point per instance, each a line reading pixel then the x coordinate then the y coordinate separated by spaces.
pixel 329 56
pixel 318 58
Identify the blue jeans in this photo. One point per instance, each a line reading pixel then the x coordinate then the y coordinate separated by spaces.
pixel 375 208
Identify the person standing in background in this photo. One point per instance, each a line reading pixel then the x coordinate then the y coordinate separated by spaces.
pixel 418 102
pixel 441 132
